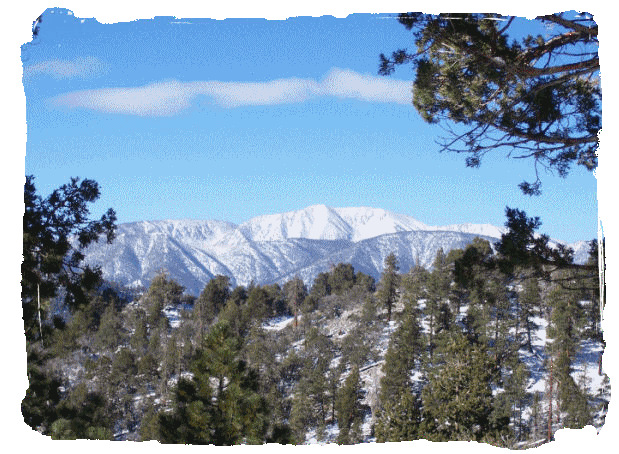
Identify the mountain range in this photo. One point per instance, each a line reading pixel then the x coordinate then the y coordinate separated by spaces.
pixel 275 248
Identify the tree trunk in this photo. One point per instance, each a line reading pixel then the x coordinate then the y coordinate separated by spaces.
pixel 550 404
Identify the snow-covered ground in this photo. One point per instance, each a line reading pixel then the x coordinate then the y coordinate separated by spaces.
pixel 586 365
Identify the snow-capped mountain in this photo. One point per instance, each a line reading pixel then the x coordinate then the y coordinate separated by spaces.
pixel 275 248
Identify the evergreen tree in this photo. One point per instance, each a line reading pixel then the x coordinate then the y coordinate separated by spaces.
pixel 296 292
pixel 457 400
pixel 220 404
pixel 348 409
pixel 52 261
pixel 437 303
pixel 403 354
pixel 473 71
pixel 388 285
pixel 111 332
pixel 81 416
pixel 211 301
pixel 321 286
pixel 162 292
pixel 365 282
pixel 415 284
pixel 529 305
pixel 400 418
pixel 341 278
pixel 566 323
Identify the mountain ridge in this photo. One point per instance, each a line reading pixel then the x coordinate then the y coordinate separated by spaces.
pixel 273 248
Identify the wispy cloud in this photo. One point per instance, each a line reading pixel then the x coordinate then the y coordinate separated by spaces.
pixel 172 97
pixel 66 69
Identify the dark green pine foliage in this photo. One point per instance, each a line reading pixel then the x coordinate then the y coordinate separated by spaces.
pixel 415 284
pixel 365 281
pixel 43 395
pixel 258 305
pixel 82 415
pixel 437 308
pixel 389 283
pixel 321 286
pixel 566 323
pixel 312 395
pixel 400 418
pixel 502 320
pixel 296 292
pixel 480 72
pixel 220 404
pixel 403 354
pixel 111 333
pixel 349 410
pixel 51 260
pixel 341 278
pixel 139 339
pixel 457 400
pixel 473 271
pixel 211 301
pixel 400 413
pixel 529 306
pixel 162 292
pixel 511 402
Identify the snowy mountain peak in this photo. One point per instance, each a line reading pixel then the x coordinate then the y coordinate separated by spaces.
pixel 277 247
pixel 317 222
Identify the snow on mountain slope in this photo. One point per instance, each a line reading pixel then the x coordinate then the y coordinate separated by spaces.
pixel 274 248
pixel 372 222
pixel 368 256
pixel 476 229
pixel 317 222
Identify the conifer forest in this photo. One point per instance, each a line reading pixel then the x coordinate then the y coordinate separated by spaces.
pixel 494 343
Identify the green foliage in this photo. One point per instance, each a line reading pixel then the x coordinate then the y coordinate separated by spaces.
pixel 530 303
pixel 349 410
pixel 162 292
pixel 471 72
pixel 212 300
pixel 457 400
pixel 51 260
pixel 110 333
pixel 341 278
pixel 296 292
pixel 220 404
pixel 81 416
pixel 403 354
pixel 400 418
pixel 321 286
pixel 389 284
pixel 42 396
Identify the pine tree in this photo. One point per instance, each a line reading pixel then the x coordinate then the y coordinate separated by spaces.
pixel 162 292
pixel 388 285
pixel 483 74
pixel 529 305
pixel 110 333
pixel 341 278
pixel 437 306
pixel 296 292
pixel 400 418
pixel 221 403
pixel 211 301
pixel 348 409
pixel 403 354
pixel 566 323
pixel 457 400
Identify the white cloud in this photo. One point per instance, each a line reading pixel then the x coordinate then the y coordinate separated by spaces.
pixel 171 97
pixel 158 99
pixel 65 69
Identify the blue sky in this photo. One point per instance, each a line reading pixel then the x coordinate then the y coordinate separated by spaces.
pixel 187 117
